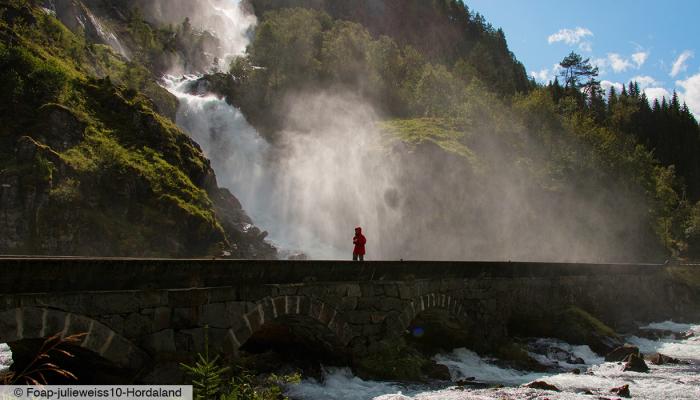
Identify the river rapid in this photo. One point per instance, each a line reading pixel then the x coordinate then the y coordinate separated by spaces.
pixel 595 379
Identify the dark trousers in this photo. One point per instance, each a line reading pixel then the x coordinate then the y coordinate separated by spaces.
pixel 355 257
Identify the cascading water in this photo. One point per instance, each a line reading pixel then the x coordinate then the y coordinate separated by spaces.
pixel 314 187
pixel 107 36
pixel 675 381
pixel 324 177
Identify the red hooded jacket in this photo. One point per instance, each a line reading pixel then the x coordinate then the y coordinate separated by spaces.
pixel 359 242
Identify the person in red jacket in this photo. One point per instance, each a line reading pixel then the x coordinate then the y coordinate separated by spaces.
pixel 359 242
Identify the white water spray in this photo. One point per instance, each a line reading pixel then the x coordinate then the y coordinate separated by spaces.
pixel 680 381
pixel 328 175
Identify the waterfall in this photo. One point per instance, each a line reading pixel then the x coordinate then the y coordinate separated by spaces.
pixel 327 175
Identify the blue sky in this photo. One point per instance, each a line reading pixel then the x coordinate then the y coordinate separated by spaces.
pixel 654 42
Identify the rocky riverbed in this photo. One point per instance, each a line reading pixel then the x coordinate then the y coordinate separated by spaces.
pixel 573 372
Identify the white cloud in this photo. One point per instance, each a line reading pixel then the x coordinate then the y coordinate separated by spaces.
pixel 640 58
pixel 606 85
pixel 680 64
pixel 601 63
pixel 645 81
pixel 618 63
pixel 546 75
pixel 691 93
pixel 569 36
pixel 541 76
pixel 586 46
pixel 656 93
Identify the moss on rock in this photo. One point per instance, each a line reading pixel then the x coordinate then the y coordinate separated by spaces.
pixel 571 324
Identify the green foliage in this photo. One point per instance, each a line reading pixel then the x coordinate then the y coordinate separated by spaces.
pixel 206 373
pixel 438 92
pixel 245 386
pixel 211 380
pixel 446 133
pixel 444 31
pixel 143 173
pixel 393 360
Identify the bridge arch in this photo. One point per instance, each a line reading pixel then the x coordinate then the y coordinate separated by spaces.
pixel 430 301
pixel 293 310
pixel 34 323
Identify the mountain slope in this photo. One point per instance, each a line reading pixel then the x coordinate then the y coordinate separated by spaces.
pixel 89 167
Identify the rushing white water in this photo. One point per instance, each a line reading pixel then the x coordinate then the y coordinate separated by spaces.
pixel 5 358
pixel 328 172
pixel 688 349
pixel 674 381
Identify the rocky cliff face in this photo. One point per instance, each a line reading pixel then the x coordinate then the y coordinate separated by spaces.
pixel 89 167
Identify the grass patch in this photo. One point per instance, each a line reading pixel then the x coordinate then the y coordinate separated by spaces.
pixel 445 133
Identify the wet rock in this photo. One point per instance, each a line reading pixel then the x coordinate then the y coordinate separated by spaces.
pixel 572 325
pixel 542 385
pixel 622 391
pixel 683 335
pixel 465 381
pixel 471 383
pixel 562 355
pixel 661 359
pixel 653 334
pixel 61 128
pixel 635 363
pixel 576 371
pixel 433 370
pixel 622 352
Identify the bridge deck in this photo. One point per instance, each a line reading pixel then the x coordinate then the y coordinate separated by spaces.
pixel 61 274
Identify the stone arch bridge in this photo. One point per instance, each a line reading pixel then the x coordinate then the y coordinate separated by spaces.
pixel 139 312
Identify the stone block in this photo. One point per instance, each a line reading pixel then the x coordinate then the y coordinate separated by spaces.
pixel 55 323
pixel 187 298
pixel 160 342
pixel 391 290
pixel 214 315
pixel 222 295
pixel 377 317
pixel 152 298
pixel 350 290
pixel 359 317
pixel 161 318
pixel 235 312
pixel 113 303
pixel 185 317
pixel 390 303
pixel 136 325
pixel 8 326
pixel 280 306
pixel 33 322
pixel 348 303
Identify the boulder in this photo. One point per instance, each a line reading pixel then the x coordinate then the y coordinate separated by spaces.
pixel 622 352
pixel 61 127
pixel 635 363
pixel 433 370
pixel 622 391
pixel 465 381
pixel 542 385
pixel 661 359
pixel 683 335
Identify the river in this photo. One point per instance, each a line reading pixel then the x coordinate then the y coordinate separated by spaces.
pixel 596 377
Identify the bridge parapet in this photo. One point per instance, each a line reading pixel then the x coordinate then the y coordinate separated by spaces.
pixel 155 310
